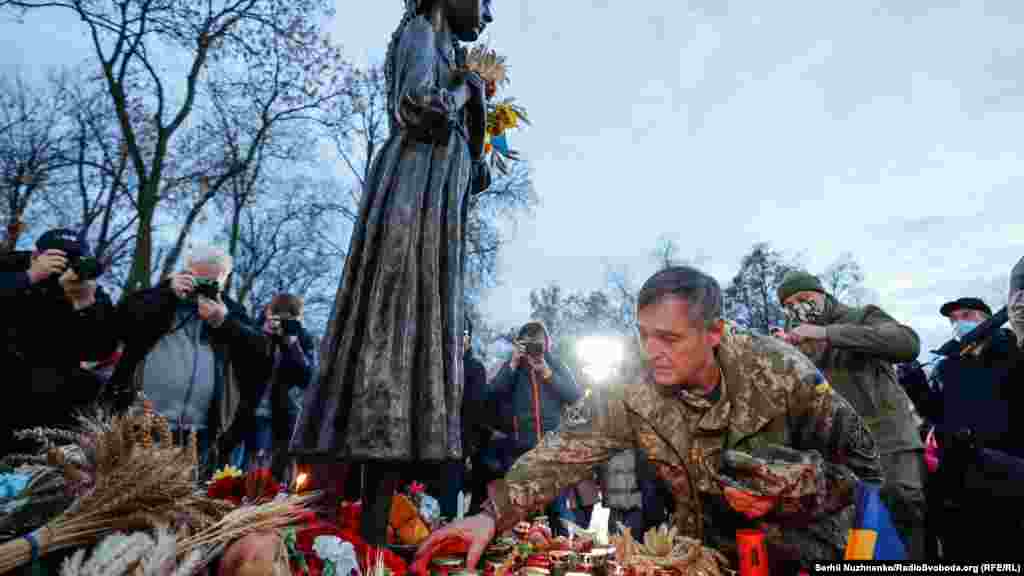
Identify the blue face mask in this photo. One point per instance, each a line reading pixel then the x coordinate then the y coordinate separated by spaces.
pixel 963 327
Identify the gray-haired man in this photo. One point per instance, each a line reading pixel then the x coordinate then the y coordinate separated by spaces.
pixel 188 348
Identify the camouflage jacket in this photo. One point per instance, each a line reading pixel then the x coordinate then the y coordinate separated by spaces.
pixel 771 394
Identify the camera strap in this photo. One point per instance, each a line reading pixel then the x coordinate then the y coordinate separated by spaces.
pixel 536 407
pixel 191 315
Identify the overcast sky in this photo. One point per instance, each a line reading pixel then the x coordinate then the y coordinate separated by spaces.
pixel 889 131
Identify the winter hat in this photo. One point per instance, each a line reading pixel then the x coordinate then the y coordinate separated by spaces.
pixel 798 281
pixel 68 241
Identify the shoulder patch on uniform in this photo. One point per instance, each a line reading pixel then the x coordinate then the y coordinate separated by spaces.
pixel 821 385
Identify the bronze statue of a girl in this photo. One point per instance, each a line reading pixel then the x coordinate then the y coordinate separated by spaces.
pixel 390 385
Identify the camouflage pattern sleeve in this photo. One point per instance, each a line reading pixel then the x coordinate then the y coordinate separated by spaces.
pixel 878 334
pixel 563 459
pixel 825 422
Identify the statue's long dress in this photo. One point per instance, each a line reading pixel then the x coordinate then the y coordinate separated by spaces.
pixel 391 368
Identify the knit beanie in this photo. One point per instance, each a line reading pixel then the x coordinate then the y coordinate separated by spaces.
pixel 798 281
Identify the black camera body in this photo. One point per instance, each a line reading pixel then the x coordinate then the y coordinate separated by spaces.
pixel 291 327
pixel 286 326
pixel 206 287
pixel 531 348
pixel 85 267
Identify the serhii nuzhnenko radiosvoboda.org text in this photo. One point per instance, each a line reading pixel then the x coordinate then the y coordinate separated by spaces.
pixel 910 567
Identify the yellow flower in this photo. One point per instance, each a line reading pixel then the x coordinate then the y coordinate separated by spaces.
pixel 227 472
pixel 506 116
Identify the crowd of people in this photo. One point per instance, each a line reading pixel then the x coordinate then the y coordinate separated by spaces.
pixel 183 345
pixel 837 391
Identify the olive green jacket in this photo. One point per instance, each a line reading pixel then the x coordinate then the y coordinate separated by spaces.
pixel 863 344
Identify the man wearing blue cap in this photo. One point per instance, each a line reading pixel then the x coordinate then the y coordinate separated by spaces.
pixel 56 318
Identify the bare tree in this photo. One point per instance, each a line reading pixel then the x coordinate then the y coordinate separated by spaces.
pixel 666 253
pixel 751 299
pixel 285 244
pixel 31 136
pixel 266 115
pixel 96 196
pixel 133 40
pixel 509 197
pixel 843 278
pixel 359 124
pixel 624 293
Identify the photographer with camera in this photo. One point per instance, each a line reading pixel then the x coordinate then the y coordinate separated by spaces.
pixel 56 317
pixel 540 387
pixel 192 351
pixel 267 428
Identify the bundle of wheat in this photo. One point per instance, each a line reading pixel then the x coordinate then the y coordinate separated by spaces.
pixel 665 549
pixel 248 520
pixel 137 554
pixel 490 65
pixel 121 481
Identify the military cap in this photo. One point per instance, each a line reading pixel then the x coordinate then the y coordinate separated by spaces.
pixel 798 281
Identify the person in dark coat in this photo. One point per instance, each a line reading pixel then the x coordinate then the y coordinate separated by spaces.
pixel 54 321
pixel 478 418
pixel 975 397
pixel 193 352
pixel 541 387
pixel 266 431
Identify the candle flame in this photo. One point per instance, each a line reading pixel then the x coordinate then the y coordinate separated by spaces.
pixel 300 480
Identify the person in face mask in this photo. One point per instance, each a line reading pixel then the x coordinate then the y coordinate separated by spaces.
pixel 974 396
pixel 855 349
pixel 965 314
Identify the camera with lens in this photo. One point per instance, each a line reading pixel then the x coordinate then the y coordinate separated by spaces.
pixel 531 348
pixel 206 287
pixel 286 325
pixel 85 267
pixel 291 327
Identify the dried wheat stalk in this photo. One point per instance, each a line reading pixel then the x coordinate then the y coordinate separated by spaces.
pixel 249 520
pixel 486 62
pixel 121 485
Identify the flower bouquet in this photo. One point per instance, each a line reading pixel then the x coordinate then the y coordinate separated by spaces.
pixel 232 485
pixel 503 114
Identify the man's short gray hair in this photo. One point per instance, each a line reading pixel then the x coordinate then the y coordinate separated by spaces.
pixel 209 255
pixel 699 290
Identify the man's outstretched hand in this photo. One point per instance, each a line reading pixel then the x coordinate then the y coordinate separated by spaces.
pixel 477 531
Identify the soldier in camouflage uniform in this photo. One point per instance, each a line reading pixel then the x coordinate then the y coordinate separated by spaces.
pixel 743 427
pixel 855 348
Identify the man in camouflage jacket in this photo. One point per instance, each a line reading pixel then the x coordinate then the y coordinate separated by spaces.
pixel 855 348
pixel 744 428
